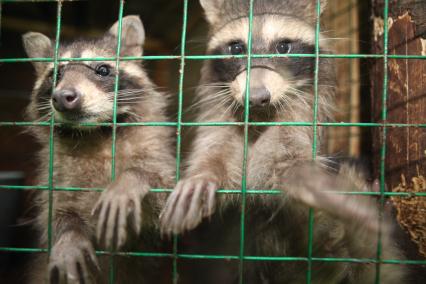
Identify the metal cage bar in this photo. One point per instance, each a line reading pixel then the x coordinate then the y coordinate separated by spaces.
pixel 114 120
pixel 384 132
pixel 311 221
pixel 52 126
pixel 245 153
pixel 179 126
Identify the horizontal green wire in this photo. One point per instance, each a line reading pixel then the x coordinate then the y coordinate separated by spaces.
pixel 232 257
pixel 174 124
pixel 206 57
pixel 222 191
pixel 21 1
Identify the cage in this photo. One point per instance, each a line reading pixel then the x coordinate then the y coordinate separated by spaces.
pixel 379 52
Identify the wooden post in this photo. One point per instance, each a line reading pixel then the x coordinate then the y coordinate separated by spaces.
pixel 340 22
pixel 405 162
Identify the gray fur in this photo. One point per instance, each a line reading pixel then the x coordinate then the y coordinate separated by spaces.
pixel 132 35
pixel 37 45
pixel 227 10
pixel 124 216
pixel 278 158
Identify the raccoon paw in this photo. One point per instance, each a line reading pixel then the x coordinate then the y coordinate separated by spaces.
pixel 114 207
pixel 72 260
pixel 191 201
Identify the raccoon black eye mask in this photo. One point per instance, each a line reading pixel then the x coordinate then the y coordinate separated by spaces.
pixel 282 47
pixel 102 70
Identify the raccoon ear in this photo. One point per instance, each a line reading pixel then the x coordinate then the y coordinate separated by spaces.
pixel 132 35
pixel 212 9
pixel 37 45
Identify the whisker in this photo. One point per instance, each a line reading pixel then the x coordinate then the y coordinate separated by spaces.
pixel 45 117
pixel 218 96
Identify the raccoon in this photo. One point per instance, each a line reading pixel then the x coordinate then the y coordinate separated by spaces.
pixel 124 216
pixel 279 157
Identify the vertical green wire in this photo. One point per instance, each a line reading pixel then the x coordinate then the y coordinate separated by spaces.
pixel 384 133
pixel 315 138
pixel 114 120
pixel 116 86
pixel 246 130
pixel 52 126
pixel 316 72
pixel 352 5
pixel 179 123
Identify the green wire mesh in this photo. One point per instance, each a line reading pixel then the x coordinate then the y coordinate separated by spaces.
pixel 179 124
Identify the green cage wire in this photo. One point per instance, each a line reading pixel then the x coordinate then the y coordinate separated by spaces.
pixel 179 124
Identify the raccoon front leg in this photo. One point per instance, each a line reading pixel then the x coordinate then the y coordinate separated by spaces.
pixel 310 183
pixel 72 259
pixel 121 201
pixel 194 196
pixel 191 201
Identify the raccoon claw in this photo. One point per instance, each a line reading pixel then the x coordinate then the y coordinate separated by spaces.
pixel 189 203
pixel 114 208
pixel 71 260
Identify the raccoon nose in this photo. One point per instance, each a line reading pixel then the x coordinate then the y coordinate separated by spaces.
pixel 66 100
pixel 259 97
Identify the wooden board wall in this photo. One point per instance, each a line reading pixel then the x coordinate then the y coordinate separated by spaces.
pixel 405 161
pixel 341 25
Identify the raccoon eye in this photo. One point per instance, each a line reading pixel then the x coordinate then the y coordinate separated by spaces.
pixel 59 74
pixel 236 48
pixel 102 70
pixel 283 47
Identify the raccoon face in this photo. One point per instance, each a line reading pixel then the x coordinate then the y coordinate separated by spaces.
pixel 275 83
pixel 84 90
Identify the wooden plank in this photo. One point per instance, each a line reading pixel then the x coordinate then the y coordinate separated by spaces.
pixel 341 24
pixel 405 159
